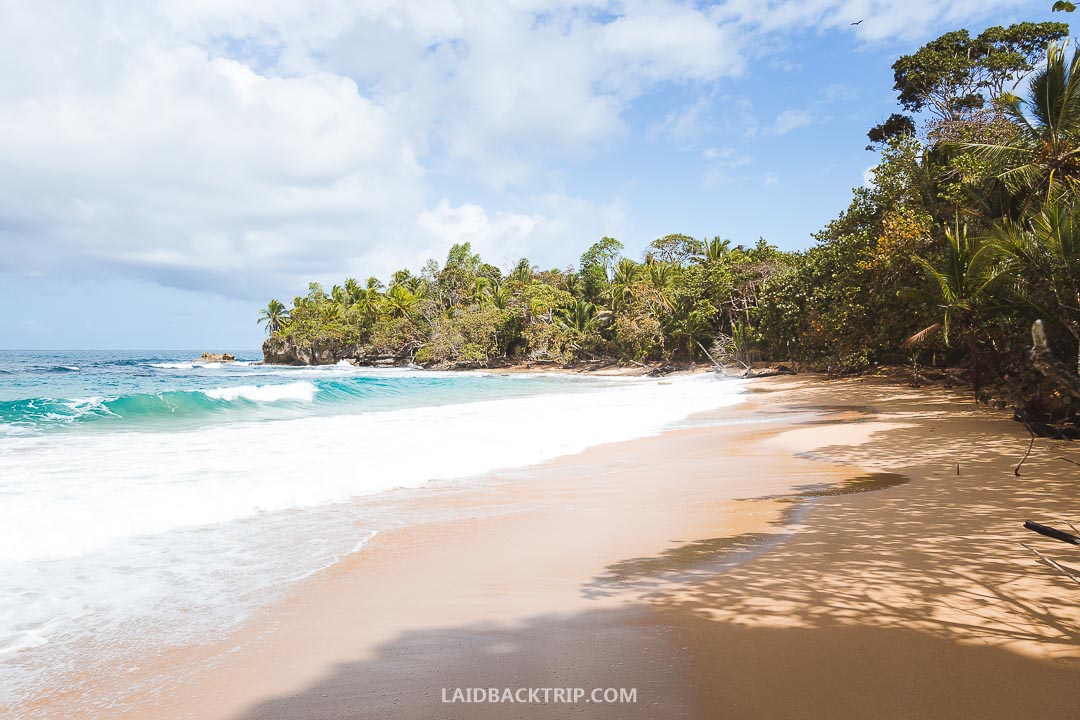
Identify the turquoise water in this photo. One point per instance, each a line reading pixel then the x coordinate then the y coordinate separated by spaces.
pixel 47 391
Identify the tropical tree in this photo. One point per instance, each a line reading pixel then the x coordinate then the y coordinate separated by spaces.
pixel 626 275
pixel 595 268
pixel 716 249
pixel 955 74
pixel 399 301
pixel 1044 255
pixel 579 316
pixel 274 315
pixel 957 282
pixel 678 249
pixel 1042 158
pixel 523 271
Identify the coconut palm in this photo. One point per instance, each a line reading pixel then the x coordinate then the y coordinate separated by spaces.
pixel 1042 158
pixel 663 279
pixel 958 282
pixel 353 292
pixel 579 316
pixel 274 315
pixel 400 300
pixel 522 272
pixel 694 329
pixel 716 249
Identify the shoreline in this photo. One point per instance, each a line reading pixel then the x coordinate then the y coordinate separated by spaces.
pixel 623 553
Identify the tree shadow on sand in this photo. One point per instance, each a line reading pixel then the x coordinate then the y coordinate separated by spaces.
pixel 914 601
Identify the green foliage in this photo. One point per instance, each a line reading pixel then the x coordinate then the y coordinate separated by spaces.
pixel 957 281
pixel 896 125
pixel 668 306
pixel 274 315
pixel 955 73
pixel 678 249
pixel 1041 159
pixel 1043 256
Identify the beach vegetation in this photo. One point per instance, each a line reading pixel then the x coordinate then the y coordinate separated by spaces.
pixel 965 234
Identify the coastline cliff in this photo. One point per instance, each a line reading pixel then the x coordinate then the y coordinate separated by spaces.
pixel 279 350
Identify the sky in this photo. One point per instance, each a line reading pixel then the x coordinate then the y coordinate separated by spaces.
pixel 168 167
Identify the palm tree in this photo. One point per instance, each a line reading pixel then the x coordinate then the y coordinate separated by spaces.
pixel 695 328
pixel 274 315
pixel 716 249
pixel 330 313
pixel 1043 158
pixel 353 292
pixel 663 277
pixel 580 316
pixel 481 289
pixel 522 272
pixel 400 300
pixel 955 286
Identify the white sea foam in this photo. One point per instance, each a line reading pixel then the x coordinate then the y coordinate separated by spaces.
pixel 112 530
pixel 302 391
pixel 72 494
pixel 206 364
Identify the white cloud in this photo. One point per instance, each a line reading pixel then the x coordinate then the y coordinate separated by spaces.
pixel 790 120
pixel 502 238
pixel 869 176
pixel 242 144
pixel 881 19
pixel 727 157
pixel 685 125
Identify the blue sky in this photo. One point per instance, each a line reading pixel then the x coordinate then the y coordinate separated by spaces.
pixel 169 168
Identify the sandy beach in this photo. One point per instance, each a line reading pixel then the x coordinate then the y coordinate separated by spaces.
pixel 841 549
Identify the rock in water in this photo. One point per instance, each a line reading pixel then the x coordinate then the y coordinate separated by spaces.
pixel 216 357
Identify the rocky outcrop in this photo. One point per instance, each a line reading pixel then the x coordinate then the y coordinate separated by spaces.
pixel 285 351
pixel 217 357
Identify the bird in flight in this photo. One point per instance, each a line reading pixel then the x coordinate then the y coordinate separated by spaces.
pixel 857 23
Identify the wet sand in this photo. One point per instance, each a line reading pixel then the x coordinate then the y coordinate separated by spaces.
pixel 818 558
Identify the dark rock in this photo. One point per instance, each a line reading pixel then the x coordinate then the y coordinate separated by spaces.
pixel 285 351
pixel 217 357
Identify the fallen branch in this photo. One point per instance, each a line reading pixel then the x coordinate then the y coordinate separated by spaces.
pixel 716 365
pixel 1053 533
pixel 1016 470
pixel 1055 565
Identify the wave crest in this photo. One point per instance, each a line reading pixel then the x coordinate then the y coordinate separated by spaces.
pixel 301 391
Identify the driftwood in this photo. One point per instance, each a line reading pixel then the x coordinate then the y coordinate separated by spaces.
pixel 1050 366
pixel 716 365
pixel 1016 470
pixel 1055 534
pixel 1052 532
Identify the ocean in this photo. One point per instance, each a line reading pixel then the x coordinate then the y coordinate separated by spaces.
pixel 148 500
